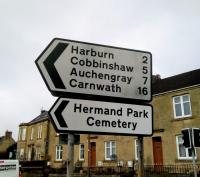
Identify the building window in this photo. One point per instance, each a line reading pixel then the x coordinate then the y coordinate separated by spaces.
pixel 32 133
pixel 20 134
pixel 38 153
pixel 136 149
pixel 39 131
pixel 182 106
pixel 110 150
pixel 59 152
pixel 21 153
pixel 183 153
pixel 81 152
pixel 29 154
pixel 23 134
pixel 10 155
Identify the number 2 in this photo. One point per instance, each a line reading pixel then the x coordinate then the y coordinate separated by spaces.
pixel 145 60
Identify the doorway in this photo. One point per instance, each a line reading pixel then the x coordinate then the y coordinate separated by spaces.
pixel 93 154
pixel 157 151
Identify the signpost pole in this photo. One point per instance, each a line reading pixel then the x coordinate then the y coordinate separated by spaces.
pixel 193 152
pixel 140 157
pixel 89 155
pixel 193 162
pixel 70 150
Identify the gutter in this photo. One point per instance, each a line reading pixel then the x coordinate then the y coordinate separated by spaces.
pixel 158 94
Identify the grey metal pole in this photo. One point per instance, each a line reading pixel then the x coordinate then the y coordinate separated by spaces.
pixel 141 157
pixel 89 155
pixel 193 162
pixel 193 152
pixel 70 153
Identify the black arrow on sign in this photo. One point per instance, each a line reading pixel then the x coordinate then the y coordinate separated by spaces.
pixel 50 67
pixel 58 114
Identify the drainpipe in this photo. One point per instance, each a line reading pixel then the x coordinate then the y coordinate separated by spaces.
pixel 47 140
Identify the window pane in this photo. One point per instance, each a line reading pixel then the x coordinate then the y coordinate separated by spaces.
pixel 182 151
pixel 107 144
pixel 107 153
pixel 138 153
pixel 32 132
pixel 113 148
pixel 82 151
pixel 29 154
pixel 178 110
pixel 136 150
pixel 185 98
pixel 180 139
pixel 113 144
pixel 189 152
pixel 82 154
pixel 23 133
pixel 59 152
pixel 20 134
pixel 113 151
pixel 177 100
pixel 186 107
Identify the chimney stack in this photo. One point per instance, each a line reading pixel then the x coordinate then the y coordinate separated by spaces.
pixel 8 134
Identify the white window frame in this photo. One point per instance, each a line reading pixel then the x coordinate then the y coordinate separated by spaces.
pixel 21 153
pixel 81 152
pixel 110 147
pixel 32 133
pixel 23 138
pixel 59 152
pixel 29 154
pixel 20 134
pixel 182 107
pixel 38 153
pixel 39 132
pixel 136 149
pixel 10 155
pixel 187 157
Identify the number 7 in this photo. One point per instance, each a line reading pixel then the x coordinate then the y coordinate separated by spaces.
pixel 145 79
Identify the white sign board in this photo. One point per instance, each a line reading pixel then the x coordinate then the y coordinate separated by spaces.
pixel 9 168
pixel 84 116
pixel 72 67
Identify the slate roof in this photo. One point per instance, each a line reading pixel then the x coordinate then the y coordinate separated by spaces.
pixel 42 117
pixel 179 81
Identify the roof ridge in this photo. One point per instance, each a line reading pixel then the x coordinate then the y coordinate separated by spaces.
pixel 175 82
pixel 43 116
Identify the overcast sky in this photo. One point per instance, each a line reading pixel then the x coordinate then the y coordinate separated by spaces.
pixel 169 29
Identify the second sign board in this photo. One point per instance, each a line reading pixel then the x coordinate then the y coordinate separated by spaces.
pixel 78 68
pixel 85 116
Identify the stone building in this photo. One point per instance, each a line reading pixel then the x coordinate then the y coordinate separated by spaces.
pixel 33 138
pixel 5 142
pixel 176 105
pixel 38 140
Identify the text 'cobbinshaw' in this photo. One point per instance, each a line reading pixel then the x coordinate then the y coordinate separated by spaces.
pixel 90 67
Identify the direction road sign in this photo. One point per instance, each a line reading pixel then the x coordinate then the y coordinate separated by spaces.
pixel 73 69
pixel 86 116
